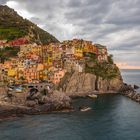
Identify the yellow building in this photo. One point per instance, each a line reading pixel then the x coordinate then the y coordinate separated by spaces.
pixel 85 48
pixel 37 50
pixel 40 67
pixel 49 61
pixel 78 51
pixel 50 47
pixel 11 72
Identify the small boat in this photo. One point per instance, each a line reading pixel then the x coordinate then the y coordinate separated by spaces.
pixel 92 96
pixel 18 90
pixel 10 89
pixel 84 109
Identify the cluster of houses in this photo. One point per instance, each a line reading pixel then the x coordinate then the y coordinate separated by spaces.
pixel 37 63
pixel 17 42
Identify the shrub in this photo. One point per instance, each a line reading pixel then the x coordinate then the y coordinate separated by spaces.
pixel 104 70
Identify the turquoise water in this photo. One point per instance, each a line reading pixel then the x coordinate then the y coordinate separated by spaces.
pixel 113 117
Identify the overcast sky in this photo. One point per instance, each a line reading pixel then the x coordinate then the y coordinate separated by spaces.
pixel 114 23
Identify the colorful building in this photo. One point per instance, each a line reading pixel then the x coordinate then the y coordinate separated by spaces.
pixel 12 72
pixel 102 53
pixel 57 76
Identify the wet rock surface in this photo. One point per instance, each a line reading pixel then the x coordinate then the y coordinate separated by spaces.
pixel 129 91
pixel 19 104
pixel 136 87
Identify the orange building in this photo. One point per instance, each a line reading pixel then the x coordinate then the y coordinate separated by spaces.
pixel 34 73
pixel 57 76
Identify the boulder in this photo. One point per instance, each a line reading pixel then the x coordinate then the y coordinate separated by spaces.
pixel 125 88
pixel 31 103
pixel 136 87
pixel 59 100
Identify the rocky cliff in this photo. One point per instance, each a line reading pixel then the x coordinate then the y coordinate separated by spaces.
pixel 84 83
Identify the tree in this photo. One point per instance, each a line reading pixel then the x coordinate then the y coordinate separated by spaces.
pixel 110 59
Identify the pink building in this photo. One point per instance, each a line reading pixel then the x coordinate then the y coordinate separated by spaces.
pixel 18 42
pixel 8 64
pixel 58 75
pixel 30 73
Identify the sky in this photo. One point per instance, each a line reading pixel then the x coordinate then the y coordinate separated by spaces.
pixel 114 23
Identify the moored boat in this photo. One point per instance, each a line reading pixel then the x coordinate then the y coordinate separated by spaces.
pixel 84 109
pixel 92 96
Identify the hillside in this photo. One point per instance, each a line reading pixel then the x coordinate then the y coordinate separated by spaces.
pixel 13 26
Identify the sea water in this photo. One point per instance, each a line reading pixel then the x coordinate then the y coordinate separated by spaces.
pixel 113 117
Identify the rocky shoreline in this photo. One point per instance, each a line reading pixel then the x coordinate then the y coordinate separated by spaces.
pixel 16 112
pixel 19 106
pixel 8 112
pixel 56 102
pixel 129 91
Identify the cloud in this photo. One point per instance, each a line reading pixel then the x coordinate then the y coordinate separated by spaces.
pixel 3 1
pixel 23 12
pixel 114 23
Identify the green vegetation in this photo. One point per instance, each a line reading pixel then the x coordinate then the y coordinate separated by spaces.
pixel 8 52
pixel 91 56
pixel 11 33
pixel 13 26
pixel 41 36
pixel 106 70
pixel 110 59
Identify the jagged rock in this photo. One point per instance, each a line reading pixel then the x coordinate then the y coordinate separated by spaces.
pixel 130 95
pixel 80 84
pixel 60 100
pixel 116 83
pixel 136 87
pixel 19 104
pixel 128 91
pixel 31 103
pixel 125 88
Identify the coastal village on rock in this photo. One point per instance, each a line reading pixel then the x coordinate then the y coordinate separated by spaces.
pixel 37 63
pixel 49 73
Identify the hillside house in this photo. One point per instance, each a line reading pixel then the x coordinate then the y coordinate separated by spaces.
pixel 102 53
pixel 18 42
pixel 33 73
pixel 3 43
pixel 12 72
pixel 57 76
